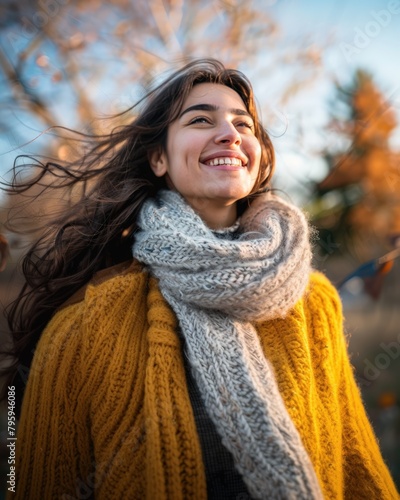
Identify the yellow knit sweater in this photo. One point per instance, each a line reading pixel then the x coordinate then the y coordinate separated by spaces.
pixel 107 410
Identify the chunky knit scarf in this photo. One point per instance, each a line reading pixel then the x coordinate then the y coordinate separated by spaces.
pixel 216 288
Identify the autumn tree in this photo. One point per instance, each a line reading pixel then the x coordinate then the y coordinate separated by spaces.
pixel 359 199
pixel 98 55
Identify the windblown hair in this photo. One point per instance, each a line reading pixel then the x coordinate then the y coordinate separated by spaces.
pixel 98 229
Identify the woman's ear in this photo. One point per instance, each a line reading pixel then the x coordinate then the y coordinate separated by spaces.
pixel 158 162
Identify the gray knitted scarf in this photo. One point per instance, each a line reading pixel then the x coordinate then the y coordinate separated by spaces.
pixel 217 288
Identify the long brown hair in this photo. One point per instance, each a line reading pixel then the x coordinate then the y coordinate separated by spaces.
pixel 97 231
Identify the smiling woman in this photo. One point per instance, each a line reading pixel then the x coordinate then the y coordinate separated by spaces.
pixel 183 347
pixel 212 157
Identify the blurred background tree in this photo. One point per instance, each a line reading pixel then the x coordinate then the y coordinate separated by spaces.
pixel 357 205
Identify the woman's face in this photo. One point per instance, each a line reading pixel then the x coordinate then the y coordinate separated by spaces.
pixel 212 157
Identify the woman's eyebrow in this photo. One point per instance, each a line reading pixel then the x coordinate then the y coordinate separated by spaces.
pixel 213 107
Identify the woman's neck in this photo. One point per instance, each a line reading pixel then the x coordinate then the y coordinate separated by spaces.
pixel 216 216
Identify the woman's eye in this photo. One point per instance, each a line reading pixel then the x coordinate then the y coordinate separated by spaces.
pixel 199 119
pixel 245 124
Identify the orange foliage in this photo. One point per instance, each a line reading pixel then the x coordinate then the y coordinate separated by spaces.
pixel 369 163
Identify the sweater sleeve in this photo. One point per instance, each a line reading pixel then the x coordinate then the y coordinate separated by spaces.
pixel 81 432
pixel 365 474
pixel 53 453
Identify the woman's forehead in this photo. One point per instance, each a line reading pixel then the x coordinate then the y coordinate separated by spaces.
pixel 215 94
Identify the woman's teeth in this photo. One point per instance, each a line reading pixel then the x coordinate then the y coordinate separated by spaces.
pixel 224 161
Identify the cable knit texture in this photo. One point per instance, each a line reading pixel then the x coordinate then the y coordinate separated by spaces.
pixel 216 287
pixel 107 413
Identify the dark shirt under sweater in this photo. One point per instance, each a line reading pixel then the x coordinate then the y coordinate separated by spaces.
pixel 223 480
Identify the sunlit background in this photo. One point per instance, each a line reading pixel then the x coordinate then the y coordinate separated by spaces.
pixel 327 80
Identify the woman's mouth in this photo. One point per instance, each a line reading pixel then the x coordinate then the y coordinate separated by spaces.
pixel 224 161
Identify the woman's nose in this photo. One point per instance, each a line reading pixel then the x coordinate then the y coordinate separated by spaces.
pixel 228 134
